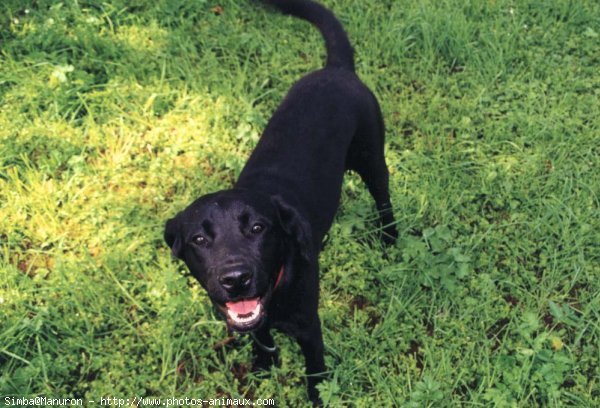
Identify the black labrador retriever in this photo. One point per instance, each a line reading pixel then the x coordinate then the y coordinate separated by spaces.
pixel 255 247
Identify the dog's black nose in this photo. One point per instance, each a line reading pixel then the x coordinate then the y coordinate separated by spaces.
pixel 236 280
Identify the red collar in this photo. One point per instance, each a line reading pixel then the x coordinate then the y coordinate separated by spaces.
pixel 279 277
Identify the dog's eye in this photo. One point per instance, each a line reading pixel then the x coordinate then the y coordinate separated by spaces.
pixel 200 240
pixel 257 228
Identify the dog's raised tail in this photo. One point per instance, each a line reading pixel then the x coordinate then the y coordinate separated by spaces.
pixel 339 51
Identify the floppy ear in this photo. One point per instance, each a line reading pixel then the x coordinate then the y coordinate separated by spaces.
pixel 173 237
pixel 295 226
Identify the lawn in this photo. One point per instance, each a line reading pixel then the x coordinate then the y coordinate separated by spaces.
pixel 115 115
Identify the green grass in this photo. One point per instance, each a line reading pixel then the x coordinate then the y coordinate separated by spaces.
pixel 115 115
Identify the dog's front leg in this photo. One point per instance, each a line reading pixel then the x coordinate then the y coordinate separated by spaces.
pixel 311 344
pixel 265 351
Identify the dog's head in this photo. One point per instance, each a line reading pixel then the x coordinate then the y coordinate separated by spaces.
pixel 236 243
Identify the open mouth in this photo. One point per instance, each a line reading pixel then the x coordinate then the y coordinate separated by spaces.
pixel 244 314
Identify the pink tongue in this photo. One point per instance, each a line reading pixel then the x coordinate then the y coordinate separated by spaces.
pixel 243 307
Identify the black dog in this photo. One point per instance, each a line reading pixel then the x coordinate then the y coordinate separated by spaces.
pixel 255 247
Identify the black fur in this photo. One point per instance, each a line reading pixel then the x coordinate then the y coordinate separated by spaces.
pixel 236 241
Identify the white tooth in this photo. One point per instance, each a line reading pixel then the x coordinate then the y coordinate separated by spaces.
pixel 238 319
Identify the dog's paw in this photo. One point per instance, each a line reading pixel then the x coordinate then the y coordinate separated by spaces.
pixel 263 363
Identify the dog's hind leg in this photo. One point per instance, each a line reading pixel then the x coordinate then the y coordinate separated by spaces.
pixel 366 157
